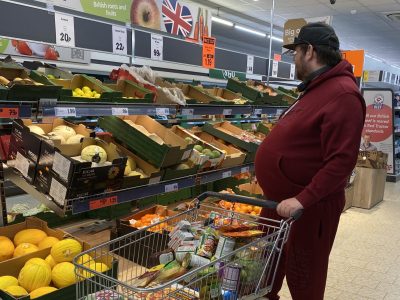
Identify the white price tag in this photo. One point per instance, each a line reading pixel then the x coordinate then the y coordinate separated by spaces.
pixel 162 111
pixel 58 192
pixel 155 180
pixel 275 65
pixel 120 111
pixel 65 30
pixel 279 111
pixel 245 170
pixel 61 166
pixel 292 71
pixel 22 164
pixel 186 154
pixel 250 64
pixel 65 111
pixel 187 111
pixel 227 112
pixel 227 174
pixel 258 111
pixel 157 46
pixel 171 187
pixel 119 40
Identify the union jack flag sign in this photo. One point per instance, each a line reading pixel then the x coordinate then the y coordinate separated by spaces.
pixel 178 19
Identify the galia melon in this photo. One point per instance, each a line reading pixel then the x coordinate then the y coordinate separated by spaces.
pixel 50 260
pixel 63 274
pixel 94 153
pixel 42 291
pixel 75 139
pixel 32 236
pixel 48 242
pixel 54 136
pixel 36 129
pixel 24 249
pixel 64 131
pixel 16 291
pixel 6 281
pixel 65 250
pixel 34 275
pixel 6 248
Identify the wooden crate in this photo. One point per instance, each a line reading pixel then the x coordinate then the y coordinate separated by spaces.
pixel 369 187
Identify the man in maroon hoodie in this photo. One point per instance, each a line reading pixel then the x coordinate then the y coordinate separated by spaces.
pixel 304 163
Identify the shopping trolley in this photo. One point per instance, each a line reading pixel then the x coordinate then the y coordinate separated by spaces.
pixel 245 271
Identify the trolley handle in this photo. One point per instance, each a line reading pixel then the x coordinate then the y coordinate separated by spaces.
pixel 246 200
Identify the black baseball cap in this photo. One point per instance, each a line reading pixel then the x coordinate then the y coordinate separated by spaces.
pixel 315 34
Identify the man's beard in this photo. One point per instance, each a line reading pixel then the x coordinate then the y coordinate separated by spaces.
pixel 301 71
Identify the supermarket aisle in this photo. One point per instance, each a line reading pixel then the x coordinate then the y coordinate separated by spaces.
pixel 365 261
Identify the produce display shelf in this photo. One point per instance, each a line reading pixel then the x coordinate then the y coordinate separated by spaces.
pixel 227 110
pixel 14 111
pixel 269 110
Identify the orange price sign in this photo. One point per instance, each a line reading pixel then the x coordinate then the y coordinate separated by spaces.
pixel 356 59
pixel 209 52
pixel 96 204
pixel 9 112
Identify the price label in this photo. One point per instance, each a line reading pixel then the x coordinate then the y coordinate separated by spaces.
pixel 48 102
pixel 186 154
pixel 120 111
pixel 58 192
pixel 188 111
pixel 22 164
pixel 157 47
pixel 65 111
pixel 279 111
pixel 258 111
pixel 227 174
pixel 250 64
pixel 292 71
pixel 245 170
pixel 119 40
pixel 65 30
pixel 96 204
pixel 209 52
pixel 162 111
pixel 275 65
pixel 9 112
pixel 171 187
pixel 227 112
pixel 61 166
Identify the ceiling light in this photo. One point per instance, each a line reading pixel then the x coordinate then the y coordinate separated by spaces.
pixel 250 30
pixel 396 67
pixel 377 59
pixel 222 21
pixel 275 38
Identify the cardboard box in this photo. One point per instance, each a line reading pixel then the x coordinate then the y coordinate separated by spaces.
pixel 349 193
pixel 31 91
pixel 233 156
pixel 369 187
pixel 150 242
pixel 55 71
pixel 200 159
pixel 230 133
pixel 70 177
pixel 79 81
pixel 196 95
pixel 225 96
pixel 179 172
pixel 372 159
pixel 130 89
pixel 137 138
pixel 250 190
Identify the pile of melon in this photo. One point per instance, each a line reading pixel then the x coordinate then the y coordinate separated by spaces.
pixel 65 134
pixel 40 276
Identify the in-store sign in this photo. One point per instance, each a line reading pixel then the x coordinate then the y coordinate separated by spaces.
pixel 96 204
pixel 292 71
pixel 275 65
pixel 9 112
pixel 356 59
pixel 65 111
pixel 120 111
pixel 119 38
pixel 157 47
pixel 277 57
pixel 250 64
pixel 65 30
pixel 209 52
pixel 225 74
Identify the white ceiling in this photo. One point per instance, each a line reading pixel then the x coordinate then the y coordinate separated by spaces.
pixel 367 29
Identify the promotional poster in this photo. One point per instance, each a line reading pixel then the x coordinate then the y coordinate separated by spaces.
pixel 176 17
pixel 378 127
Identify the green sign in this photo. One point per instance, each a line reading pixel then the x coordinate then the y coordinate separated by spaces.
pixel 225 74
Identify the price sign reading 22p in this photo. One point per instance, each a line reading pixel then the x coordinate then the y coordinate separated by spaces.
pixel 209 52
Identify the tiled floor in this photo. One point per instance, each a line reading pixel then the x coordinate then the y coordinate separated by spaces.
pixel 365 260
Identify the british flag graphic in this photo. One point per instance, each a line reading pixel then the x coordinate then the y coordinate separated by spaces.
pixel 177 18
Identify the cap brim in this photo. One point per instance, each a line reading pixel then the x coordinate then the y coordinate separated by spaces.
pixel 290 46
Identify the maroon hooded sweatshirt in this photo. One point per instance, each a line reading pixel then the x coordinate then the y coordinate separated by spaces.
pixel 313 148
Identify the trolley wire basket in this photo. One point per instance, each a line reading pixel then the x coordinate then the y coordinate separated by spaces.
pixel 141 265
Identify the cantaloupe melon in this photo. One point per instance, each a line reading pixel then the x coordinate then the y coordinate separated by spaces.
pixel 42 291
pixel 34 275
pixel 6 248
pixel 65 250
pixel 25 248
pixel 63 274
pixel 32 236
pixel 6 281
pixel 48 242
